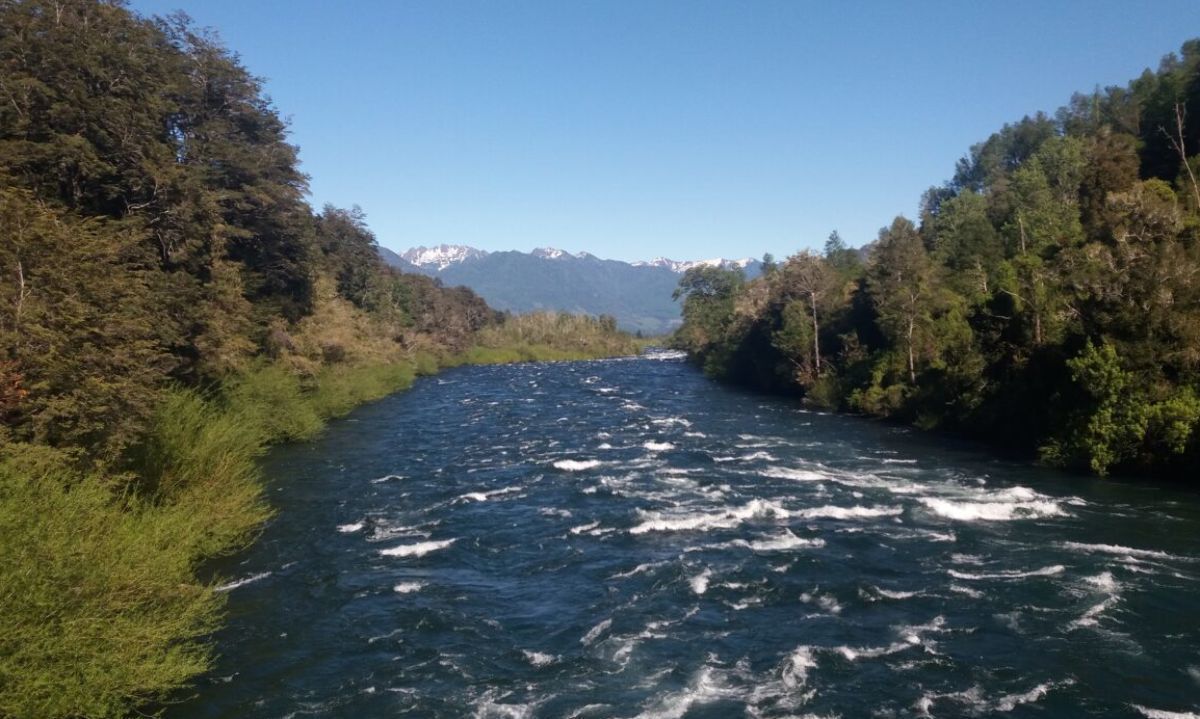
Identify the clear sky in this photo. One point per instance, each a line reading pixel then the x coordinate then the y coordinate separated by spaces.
pixel 687 129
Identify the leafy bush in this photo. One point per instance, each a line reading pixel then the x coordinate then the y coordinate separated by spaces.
pixel 99 605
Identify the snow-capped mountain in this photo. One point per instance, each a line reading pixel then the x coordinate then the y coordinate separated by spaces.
pixel 553 253
pixel 441 256
pixel 638 294
pixel 679 267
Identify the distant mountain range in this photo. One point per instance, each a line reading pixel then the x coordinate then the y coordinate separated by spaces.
pixel 638 294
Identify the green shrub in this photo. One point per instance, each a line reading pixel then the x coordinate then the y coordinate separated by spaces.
pixel 340 389
pixel 99 606
pixel 272 399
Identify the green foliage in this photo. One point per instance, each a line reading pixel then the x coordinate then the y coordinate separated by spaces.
pixel 708 302
pixel 1052 234
pixel 550 336
pixel 271 397
pixel 99 606
pixel 88 355
pixel 1108 426
pixel 340 389
pixel 1172 423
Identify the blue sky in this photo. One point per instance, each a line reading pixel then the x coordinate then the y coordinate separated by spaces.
pixel 686 129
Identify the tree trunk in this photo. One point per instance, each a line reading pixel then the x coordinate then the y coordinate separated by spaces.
pixel 1180 145
pixel 816 334
pixel 912 367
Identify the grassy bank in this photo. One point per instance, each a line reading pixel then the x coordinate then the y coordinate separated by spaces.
pixel 101 608
pixel 550 336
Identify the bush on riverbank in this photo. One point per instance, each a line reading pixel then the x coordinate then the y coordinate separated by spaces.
pixel 550 336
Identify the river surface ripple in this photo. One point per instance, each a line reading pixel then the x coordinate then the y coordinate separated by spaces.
pixel 626 539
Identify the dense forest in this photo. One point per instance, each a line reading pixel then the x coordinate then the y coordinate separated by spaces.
pixel 1047 298
pixel 170 305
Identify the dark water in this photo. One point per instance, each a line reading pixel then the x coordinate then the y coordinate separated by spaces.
pixel 626 539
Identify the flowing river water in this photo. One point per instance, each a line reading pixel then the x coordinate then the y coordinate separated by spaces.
pixel 624 538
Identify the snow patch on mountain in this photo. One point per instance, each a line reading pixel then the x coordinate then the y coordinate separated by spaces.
pixel 553 253
pixel 681 267
pixel 442 256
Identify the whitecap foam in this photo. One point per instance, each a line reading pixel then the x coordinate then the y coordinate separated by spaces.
pixel 856 512
pixel 799 475
pixel 576 465
pixel 669 421
pixel 991 511
pixel 639 569
pixel 420 549
pixel 797 666
pixel 679 522
pixel 662 355
pixel 699 582
pixel 595 632
pixel 487 707
pixel 658 446
pixel 540 659
pixel 1104 582
pixel 1118 549
pixel 241 582
pixel 684 523
pixel 1009 702
pixel 972 593
pixel 706 686
pixel 585 527
pixel 1010 574
pixel 408 587
pixel 856 653
pixel 828 602
pixel 383 531
pixel 893 594
pixel 485 496
pixel 1163 713
pixel 1090 618
pixel 779 543
pixel 981 705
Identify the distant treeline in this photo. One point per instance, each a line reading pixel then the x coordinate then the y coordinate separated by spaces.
pixel 1046 299
pixel 169 305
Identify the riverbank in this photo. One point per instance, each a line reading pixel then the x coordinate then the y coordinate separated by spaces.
pixel 101 607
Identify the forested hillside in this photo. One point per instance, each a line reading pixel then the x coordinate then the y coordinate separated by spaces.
pixel 169 305
pixel 637 294
pixel 1047 298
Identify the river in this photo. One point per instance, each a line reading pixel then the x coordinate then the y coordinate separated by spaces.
pixel 624 538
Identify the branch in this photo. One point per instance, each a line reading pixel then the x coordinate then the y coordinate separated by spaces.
pixel 1178 144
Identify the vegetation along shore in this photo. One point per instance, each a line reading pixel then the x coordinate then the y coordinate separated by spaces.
pixel 1047 298
pixel 177 307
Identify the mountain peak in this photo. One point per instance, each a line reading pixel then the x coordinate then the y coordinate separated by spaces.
pixel 441 256
pixel 681 267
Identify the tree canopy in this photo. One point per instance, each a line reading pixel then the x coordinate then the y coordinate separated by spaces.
pixel 1046 299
